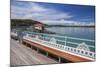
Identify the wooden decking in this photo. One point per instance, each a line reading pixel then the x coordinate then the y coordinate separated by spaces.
pixel 67 56
pixel 22 55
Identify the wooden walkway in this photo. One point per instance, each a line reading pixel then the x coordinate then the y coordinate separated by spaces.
pixel 22 55
pixel 69 57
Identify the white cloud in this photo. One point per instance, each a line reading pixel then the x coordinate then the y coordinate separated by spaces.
pixel 37 12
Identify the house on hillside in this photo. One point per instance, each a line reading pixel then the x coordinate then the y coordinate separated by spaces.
pixel 39 27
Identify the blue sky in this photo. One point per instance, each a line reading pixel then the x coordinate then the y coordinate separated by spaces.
pixel 52 12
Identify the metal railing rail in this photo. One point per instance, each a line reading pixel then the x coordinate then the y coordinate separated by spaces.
pixel 66 38
pixel 55 35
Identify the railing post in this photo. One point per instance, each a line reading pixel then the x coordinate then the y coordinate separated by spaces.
pixel 65 40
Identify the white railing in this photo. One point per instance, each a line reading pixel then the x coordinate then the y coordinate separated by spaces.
pixel 65 39
pixel 51 40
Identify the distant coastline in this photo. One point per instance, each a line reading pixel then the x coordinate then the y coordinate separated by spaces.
pixel 68 26
pixel 29 22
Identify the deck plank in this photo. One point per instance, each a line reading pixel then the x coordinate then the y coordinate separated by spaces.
pixel 22 55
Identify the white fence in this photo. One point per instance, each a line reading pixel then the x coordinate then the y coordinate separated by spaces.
pixel 60 42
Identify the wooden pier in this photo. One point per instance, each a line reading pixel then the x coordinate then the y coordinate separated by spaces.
pixel 22 55
pixel 39 48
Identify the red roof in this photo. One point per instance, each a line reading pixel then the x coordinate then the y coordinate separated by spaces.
pixel 38 24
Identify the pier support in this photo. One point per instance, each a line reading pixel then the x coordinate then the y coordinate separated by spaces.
pixel 31 47
pixel 47 54
pixel 59 59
